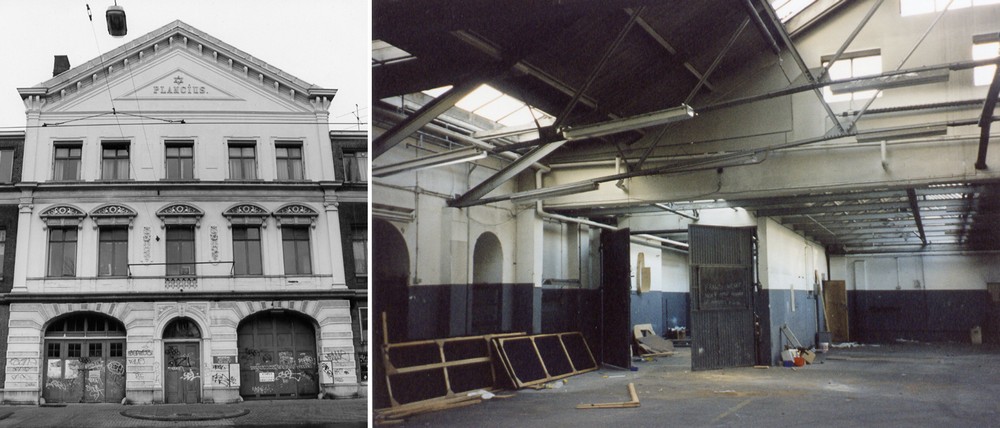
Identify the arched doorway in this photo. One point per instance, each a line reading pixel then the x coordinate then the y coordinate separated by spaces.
pixel 390 295
pixel 486 292
pixel 277 352
pixel 84 359
pixel 182 362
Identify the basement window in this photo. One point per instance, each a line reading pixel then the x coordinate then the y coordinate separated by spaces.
pixel 985 47
pixel 919 7
pixel 857 64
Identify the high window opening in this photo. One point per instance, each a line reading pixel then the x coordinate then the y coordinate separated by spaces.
pixel 295 249
pixel 359 243
pixel 3 245
pixel 113 251
pixel 180 160
pixel 857 64
pixel 355 166
pixel 985 47
pixel 246 250
pixel 115 161
pixel 786 9
pixel 384 53
pixel 66 164
pixel 289 161
pixel 180 250
pixel 242 161
pixel 62 251
pixel 6 166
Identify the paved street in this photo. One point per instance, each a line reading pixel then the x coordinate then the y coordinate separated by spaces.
pixel 298 413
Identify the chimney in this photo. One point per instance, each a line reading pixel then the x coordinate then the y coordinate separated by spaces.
pixel 60 65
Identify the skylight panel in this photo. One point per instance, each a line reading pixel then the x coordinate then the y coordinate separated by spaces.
pixel 384 53
pixel 489 103
pixel 786 9
pixel 483 95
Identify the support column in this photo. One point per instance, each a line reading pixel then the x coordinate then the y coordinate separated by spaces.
pixel 336 245
pixel 24 228
pixel 338 372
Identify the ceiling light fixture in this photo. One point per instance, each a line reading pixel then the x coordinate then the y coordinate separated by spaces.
pixel 629 123
pixel 466 154
pixel 551 192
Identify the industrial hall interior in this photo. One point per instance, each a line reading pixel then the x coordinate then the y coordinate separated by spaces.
pixel 181 225
pixel 715 209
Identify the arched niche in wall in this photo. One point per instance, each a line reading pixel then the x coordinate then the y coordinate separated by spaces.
pixel 487 260
pixel 390 295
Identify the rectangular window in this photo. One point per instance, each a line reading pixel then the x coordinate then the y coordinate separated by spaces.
pixel 985 47
pixel 355 167
pixel 246 250
pixel 67 162
pixel 52 350
pixel 180 250
pixel 73 350
pixel 116 350
pixel 6 166
pixel 289 161
pixel 3 248
pixel 62 251
pixel 96 350
pixel 868 63
pixel 359 241
pixel 180 160
pixel 114 161
pixel 113 251
pixel 242 161
pixel 295 249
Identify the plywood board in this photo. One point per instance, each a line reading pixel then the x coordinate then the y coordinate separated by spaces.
pixel 835 306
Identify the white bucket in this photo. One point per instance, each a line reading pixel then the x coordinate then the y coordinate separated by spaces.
pixel 789 354
pixel 824 347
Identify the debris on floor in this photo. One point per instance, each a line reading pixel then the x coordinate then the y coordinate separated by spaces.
pixel 634 402
pixel 649 343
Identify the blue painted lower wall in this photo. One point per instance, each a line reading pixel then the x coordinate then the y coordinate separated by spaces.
pixel 663 309
pixel 802 321
pixel 924 315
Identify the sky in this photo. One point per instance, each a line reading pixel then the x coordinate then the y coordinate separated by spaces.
pixel 323 42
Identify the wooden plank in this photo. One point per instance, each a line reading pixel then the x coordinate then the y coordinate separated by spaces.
pixel 621 405
pixel 443 365
pixel 835 300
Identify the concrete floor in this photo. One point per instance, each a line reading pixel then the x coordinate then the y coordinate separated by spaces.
pixel 904 384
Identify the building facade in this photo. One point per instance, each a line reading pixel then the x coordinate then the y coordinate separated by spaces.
pixel 183 233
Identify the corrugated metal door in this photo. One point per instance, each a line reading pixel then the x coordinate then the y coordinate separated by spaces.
pixel 722 272
pixel 616 298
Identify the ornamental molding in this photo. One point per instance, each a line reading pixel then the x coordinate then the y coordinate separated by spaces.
pixel 113 210
pixel 295 214
pixel 245 210
pixel 180 209
pixel 63 211
pixel 295 210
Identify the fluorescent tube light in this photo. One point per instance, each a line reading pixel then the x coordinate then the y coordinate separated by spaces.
pixel 629 123
pixel 551 192
pixel 891 81
pixel 902 133
pixel 466 154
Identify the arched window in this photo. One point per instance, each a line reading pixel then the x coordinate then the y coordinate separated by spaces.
pixel 182 328
pixel 86 324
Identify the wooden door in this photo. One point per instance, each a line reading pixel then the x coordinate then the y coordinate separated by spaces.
pixel 835 306
pixel 277 357
pixel 182 380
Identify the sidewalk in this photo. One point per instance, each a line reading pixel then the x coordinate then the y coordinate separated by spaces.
pixel 311 413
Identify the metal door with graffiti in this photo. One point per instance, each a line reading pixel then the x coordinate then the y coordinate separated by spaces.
pixel 84 371
pixel 182 380
pixel 277 356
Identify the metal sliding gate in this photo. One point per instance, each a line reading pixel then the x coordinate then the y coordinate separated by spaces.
pixel 722 278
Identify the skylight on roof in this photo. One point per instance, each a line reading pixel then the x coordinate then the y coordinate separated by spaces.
pixel 917 7
pixel 786 9
pixel 488 102
pixel 384 53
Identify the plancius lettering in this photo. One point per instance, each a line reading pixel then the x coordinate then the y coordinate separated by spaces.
pixel 179 89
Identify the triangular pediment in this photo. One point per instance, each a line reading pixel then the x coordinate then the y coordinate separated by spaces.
pixel 178 84
pixel 177 68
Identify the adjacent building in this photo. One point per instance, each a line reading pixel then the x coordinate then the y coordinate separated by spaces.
pixel 189 231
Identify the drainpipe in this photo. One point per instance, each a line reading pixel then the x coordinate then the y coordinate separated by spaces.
pixel 558 217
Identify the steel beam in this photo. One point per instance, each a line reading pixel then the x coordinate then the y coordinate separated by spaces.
pixel 473 196
pixel 669 48
pixel 987 119
pixel 850 38
pixel 915 208
pixel 421 117
pixel 752 11
pixel 783 33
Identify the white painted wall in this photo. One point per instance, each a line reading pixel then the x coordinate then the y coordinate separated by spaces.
pixel 930 271
pixel 788 261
